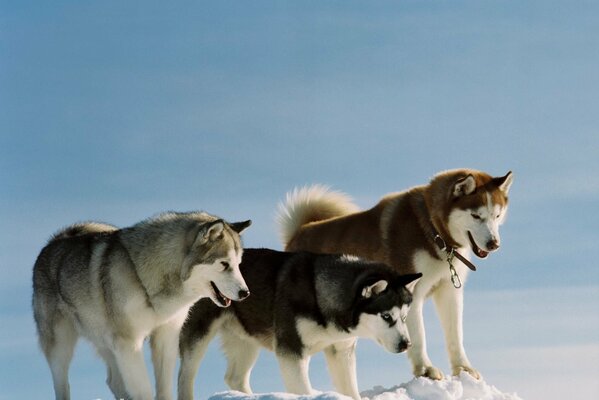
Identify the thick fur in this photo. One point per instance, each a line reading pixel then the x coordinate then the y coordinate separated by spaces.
pixel 465 207
pixel 301 303
pixel 314 203
pixel 117 286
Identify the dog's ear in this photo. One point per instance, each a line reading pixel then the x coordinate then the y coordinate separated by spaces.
pixel 504 182
pixel 211 231
pixel 409 281
pixel 240 226
pixel 374 289
pixel 464 186
pixel 198 236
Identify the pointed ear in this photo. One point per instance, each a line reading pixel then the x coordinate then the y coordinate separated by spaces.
pixel 504 182
pixel 240 226
pixel 211 231
pixel 198 236
pixel 409 281
pixel 464 186
pixel 374 289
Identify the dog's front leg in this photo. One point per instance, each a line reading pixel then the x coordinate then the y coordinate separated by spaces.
pixel 449 302
pixel 114 379
pixel 294 369
pixel 165 348
pixel 130 361
pixel 421 364
pixel 341 359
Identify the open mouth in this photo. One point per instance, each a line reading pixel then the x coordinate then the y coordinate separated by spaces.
pixel 477 250
pixel 223 300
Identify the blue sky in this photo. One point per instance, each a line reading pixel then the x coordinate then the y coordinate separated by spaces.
pixel 115 111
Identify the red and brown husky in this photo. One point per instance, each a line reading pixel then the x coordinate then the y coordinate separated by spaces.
pixel 418 230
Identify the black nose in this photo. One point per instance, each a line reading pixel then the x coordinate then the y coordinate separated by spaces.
pixel 403 345
pixel 243 294
pixel 492 245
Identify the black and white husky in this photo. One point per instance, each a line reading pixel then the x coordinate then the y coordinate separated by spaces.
pixel 301 303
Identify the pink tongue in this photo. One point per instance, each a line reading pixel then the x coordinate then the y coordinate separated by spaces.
pixel 227 302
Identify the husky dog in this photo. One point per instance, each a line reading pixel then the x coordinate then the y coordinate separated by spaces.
pixel 419 230
pixel 301 303
pixel 117 286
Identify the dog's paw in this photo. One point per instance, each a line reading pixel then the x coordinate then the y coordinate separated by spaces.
pixel 466 368
pixel 428 371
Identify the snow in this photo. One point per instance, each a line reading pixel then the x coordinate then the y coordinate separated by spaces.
pixel 460 387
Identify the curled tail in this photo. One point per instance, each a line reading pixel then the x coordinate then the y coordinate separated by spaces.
pixel 82 228
pixel 310 204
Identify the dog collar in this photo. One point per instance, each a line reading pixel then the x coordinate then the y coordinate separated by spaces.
pixel 450 251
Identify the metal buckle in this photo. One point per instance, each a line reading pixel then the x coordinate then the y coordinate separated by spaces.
pixel 455 278
pixel 440 242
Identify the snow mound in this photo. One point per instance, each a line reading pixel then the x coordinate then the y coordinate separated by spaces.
pixel 462 387
pixel 234 395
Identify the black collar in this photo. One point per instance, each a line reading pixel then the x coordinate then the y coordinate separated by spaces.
pixel 432 234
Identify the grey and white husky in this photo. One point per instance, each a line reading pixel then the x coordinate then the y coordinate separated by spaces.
pixel 116 286
pixel 301 303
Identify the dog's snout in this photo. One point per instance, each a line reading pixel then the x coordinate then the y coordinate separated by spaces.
pixel 243 293
pixel 403 345
pixel 492 244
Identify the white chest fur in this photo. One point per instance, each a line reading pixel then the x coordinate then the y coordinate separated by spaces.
pixel 436 272
pixel 316 337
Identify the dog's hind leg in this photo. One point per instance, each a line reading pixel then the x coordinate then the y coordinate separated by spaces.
pixel 58 344
pixel 192 350
pixel 341 360
pixel 241 356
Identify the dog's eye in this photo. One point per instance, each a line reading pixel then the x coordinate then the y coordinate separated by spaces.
pixel 475 216
pixel 386 317
pixel 225 264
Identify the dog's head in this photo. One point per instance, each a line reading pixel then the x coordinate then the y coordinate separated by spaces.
pixel 384 309
pixel 211 266
pixel 470 205
pixel 481 206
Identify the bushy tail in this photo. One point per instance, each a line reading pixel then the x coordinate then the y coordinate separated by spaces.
pixel 82 228
pixel 309 204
